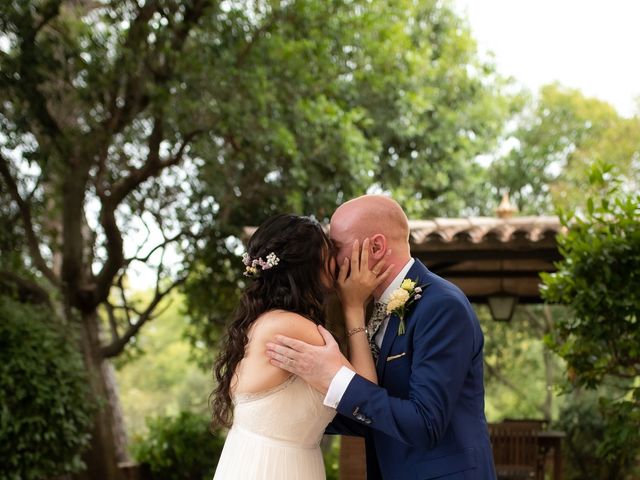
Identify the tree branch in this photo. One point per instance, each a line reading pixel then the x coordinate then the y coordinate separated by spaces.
pixel 25 213
pixel 535 321
pixel 115 255
pixel 113 324
pixel 125 302
pixel 135 99
pixel 31 77
pixel 26 290
pixel 76 275
pixel 259 32
pixel 166 242
pixel 141 245
pixel 192 15
pixel 49 11
pixel 134 102
pixel 114 348
pixel 111 200
pixel 153 166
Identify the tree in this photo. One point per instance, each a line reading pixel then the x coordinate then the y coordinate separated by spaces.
pixel 558 137
pixel 420 107
pixel 138 131
pixel 599 280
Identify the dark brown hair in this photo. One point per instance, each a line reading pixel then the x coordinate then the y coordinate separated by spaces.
pixel 294 284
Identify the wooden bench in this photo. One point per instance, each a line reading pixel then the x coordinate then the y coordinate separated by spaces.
pixel 516 451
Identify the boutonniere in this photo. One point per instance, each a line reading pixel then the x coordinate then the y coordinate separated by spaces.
pixel 402 298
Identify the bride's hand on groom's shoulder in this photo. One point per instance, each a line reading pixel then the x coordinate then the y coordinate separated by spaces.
pixel 356 281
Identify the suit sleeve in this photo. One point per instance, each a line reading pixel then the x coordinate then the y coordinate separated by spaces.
pixel 443 345
pixel 342 425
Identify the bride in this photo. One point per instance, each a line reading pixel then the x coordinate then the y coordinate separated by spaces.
pixel 276 420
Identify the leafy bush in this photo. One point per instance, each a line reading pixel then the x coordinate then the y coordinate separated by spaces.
pixel 331 455
pixel 587 423
pixel 179 448
pixel 183 448
pixel 599 279
pixel 44 413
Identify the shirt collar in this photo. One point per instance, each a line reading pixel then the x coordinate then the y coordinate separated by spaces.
pixel 397 281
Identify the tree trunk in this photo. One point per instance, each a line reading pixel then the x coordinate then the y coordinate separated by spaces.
pixel 548 366
pixel 101 457
pixel 119 429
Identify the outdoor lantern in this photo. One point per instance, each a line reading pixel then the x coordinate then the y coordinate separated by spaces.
pixel 502 306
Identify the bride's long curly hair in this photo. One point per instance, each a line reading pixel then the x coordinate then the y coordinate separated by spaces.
pixel 295 284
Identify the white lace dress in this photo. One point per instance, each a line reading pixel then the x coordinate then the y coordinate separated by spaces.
pixel 276 435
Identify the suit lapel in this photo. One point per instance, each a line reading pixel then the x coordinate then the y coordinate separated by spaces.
pixel 389 336
pixel 417 272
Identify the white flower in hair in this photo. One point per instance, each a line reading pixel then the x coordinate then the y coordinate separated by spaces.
pixel 272 261
pixel 253 267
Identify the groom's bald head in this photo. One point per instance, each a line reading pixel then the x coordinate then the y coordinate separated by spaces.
pixel 379 218
pixel 371 214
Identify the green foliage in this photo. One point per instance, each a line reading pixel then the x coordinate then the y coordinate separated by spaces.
pixel 599 279
pixel 180 447
pixel 586 425
pixel 558 137
pixel 44 410
pixel 198 118
pixel 161 379
pixel 331 456
pixel 521 373
pixel 133 129
pixel 340 98
pixel 417 75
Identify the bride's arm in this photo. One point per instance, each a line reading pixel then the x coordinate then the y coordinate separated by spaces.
pixel 359 353
pixel 355 289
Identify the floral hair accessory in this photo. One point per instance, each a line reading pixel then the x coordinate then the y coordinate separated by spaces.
pixel 401 298
pixel 253 267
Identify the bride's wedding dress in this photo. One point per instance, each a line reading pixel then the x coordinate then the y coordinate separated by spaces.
pixel 276 435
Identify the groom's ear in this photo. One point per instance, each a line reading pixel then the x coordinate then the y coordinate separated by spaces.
pixel 378 245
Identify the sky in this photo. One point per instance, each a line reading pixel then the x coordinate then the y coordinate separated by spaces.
pixel 592 45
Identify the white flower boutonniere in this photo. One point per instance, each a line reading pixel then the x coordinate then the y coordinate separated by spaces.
pixel 402 298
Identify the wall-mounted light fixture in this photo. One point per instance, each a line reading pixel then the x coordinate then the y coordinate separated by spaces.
pixel 502 306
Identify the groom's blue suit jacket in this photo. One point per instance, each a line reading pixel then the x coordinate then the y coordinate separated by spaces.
pixel 425 419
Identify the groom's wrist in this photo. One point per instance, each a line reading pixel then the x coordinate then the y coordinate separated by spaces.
pixel 338 386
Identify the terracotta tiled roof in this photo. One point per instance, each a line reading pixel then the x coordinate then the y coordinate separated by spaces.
pixel 485 255
pixel 477 230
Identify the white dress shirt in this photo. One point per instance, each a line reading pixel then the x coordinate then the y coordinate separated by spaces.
pixel 341 380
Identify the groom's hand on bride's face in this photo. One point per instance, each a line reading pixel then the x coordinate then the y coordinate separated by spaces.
pixel 316 365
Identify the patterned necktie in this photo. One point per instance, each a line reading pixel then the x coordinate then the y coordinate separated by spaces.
pixel 376 319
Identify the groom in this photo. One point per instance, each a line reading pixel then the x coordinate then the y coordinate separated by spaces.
pixel 425 419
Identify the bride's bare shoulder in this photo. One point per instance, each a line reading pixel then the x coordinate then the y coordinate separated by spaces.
pixel 282 322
